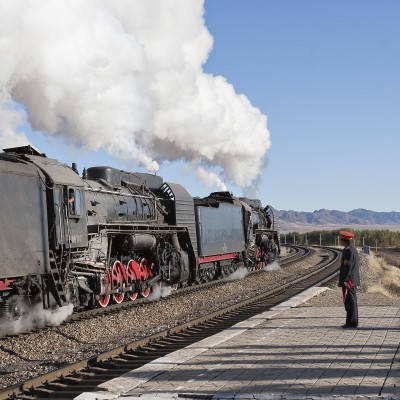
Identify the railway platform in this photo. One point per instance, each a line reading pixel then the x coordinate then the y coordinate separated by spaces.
pixel 288 352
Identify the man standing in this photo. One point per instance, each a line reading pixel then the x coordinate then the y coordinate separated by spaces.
pixel 349 278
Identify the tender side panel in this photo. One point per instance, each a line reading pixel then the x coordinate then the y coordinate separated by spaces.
pixel 220 230
pixel 23 220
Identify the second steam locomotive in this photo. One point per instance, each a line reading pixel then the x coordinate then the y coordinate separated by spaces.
pixel 112 235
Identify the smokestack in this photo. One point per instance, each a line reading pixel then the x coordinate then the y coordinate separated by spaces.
pixel 75 168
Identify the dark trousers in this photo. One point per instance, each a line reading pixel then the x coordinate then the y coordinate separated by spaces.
pixel 350 305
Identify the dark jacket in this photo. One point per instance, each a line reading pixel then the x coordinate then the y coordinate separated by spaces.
pixel 350 266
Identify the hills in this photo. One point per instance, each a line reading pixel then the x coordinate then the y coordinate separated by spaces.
pixel 359 219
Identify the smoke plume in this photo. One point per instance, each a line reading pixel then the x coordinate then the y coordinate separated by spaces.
pixel 125 76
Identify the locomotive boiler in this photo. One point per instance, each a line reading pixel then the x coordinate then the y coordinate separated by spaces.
pixel 113 235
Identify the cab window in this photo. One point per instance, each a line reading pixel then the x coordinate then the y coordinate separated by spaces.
pixel 74 202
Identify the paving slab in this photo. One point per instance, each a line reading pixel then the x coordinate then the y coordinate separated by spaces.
pixel 285 353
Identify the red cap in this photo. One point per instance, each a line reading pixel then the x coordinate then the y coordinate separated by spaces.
pixel 346 235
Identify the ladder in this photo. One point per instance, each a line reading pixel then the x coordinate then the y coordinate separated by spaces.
pixel 55 282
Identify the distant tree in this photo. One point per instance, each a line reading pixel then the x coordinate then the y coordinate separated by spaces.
pixel 371 237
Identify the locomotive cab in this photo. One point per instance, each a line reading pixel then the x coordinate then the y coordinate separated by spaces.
pixel 68 224
pixel 51 235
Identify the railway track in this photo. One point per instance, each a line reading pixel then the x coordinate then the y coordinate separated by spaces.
pixel 85 375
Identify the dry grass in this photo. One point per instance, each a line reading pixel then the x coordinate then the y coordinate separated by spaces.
pixel 392 257
pixel 379 277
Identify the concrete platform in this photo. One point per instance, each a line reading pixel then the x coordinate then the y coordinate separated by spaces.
pixel 284 353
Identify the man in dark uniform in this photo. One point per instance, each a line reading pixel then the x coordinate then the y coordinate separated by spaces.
pixel 349 278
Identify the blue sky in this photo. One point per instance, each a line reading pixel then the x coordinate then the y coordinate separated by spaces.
pixel 326 75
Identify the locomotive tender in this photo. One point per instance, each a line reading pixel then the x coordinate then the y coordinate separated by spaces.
pixel 113 235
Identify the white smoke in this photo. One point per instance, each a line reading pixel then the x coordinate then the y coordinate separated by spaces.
pixel 36 317
pixel 274 266
pixel 210 179
pixel 160 291
pixel 126 76
pixel 240 273
pixel 11 119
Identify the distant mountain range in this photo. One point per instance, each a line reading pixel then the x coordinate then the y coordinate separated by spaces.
pixel 331 219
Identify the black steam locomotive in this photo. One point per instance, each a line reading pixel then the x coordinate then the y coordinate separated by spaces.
pixel 113 235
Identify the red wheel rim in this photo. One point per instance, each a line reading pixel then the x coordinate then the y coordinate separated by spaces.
pixel 131 278
pixel 118 281
pixel 105 298
pixel 146 292
pixel 259 254
pixel 145 274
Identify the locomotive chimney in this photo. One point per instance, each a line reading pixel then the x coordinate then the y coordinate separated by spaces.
pixel 75 168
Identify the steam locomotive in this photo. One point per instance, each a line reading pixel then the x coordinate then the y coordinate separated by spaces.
pixel 113 235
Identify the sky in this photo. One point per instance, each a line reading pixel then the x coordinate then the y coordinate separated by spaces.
pixel 293 101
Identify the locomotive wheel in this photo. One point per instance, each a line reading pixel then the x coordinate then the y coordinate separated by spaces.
pixel 145 293
pixel 105 298
pixel 131 277
pixel 145 274
pixel 118 281
pixel 259 256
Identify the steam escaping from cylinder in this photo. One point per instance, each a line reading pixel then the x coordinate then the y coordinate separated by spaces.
pixel 160 291
pixel 274 266
pixel 240 273
pixel 126 76
pixel 34 318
